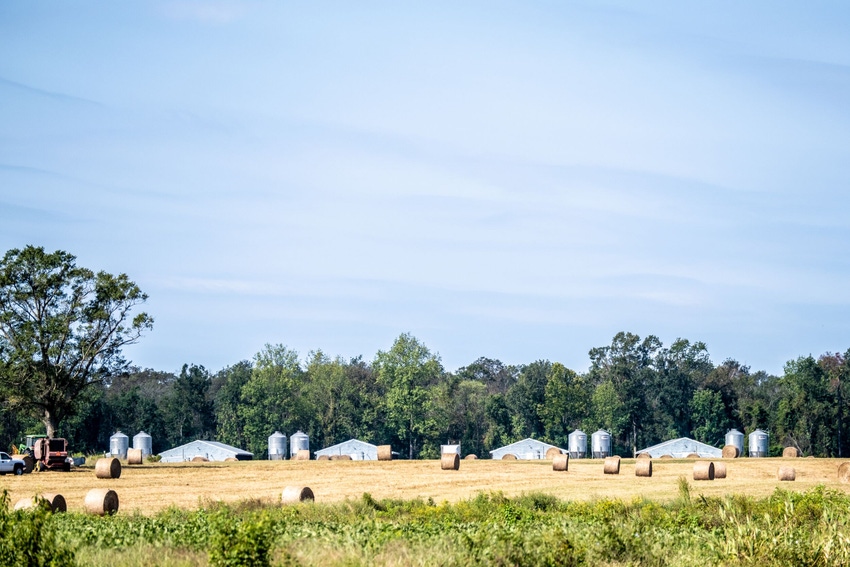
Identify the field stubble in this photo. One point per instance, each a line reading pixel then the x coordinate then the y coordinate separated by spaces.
pixel 151 488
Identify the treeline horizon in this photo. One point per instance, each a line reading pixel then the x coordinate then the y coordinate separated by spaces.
pixel 638 389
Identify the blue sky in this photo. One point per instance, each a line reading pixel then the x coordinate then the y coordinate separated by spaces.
pixel 514 180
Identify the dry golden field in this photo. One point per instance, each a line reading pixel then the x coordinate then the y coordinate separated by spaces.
pixel 152 487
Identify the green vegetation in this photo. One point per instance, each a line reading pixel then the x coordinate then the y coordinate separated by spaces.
pixel 788 528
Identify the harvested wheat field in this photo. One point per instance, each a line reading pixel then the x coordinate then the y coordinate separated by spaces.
pixel 153 487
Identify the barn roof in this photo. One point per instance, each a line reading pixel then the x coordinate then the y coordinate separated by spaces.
pixel 524 444
pixel 200 445
pixel 346 444
pixel 682 447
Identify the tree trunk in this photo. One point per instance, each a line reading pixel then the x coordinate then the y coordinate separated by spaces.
pixel 49 421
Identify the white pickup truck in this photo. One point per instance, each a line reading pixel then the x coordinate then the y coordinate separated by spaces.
pixel 11 465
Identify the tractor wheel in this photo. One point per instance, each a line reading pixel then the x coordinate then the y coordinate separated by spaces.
pixel 19 470
pixel 66 467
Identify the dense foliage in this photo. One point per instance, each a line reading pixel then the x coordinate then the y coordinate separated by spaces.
pixel 787 528
pixel 638 389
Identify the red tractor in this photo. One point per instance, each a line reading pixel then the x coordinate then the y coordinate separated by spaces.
pixel 49 454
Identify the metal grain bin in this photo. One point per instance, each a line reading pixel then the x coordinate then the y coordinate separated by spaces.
pixel 298 441
pixel 601 444
pixel 118 445
pixel 735 438
pixel 578 444
pixel 277 446
pixel 759 441
pixel 143 442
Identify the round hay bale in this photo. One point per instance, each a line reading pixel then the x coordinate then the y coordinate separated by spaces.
pixel 385 453
pixel 508 457
pixel 551 452
pixel 101 501
pixel 731 452
pixel 340 457
pixel 296 494
pixel 470 457
pixel 693 456
pixel 450 462
pixel 29 463
pixel 200 459
pixel 786 473
pixel 561 462
pixel 302 455
pixel 134 457
pixel 56 503
pixel 643 456
pixel 719 470
pixel 844 472
pixel 703 470
pixel 612 465
pixel 324 458
pixel 790 453
pixel 666 457
pixel 230 459
pixel 643 467
pixel 107 467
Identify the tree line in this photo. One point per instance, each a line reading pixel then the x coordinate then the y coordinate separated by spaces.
pixel 61 371
pixel 637 389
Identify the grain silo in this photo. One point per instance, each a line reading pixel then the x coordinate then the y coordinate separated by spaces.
pixel 578 444
pixel 297 442
pixel 277 446
pixel 601 444
pixel 736 439
pixel 118 445
pixel 143 442
pixel 759 441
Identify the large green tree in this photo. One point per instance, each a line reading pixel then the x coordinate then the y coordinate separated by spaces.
pixel 62 328
pixel 407 372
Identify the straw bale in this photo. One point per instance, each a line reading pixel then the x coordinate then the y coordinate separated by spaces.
pixel 508 457
pixel 551 452
pixel 643 456
pixel 703 470
pixel 324 458
pixel 385 453
pixel 731 452
pixel 666 457
pixel 786 473
pixel 134 457
pixel 101 501
pixel 470 457
pixel 561 462
pixel 790 453
pixel 844 472
pixel 295 494
pixel 107 467
pixel 56 503
pixel 693 456
pixel 200 459
pixel 643 467
pixel 719 470
pixel 340 457
pixel 450 462
pixel 230 459
pixel 612 465
pixel 302 455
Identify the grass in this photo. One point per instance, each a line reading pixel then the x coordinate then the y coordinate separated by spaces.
pixel 151 488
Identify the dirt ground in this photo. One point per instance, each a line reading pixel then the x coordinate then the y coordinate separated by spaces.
pixel 149 488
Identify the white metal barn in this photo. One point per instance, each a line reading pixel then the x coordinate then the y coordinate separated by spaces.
pixel 681 448
pixel 356 449
pixel 210 450
pixel 527 449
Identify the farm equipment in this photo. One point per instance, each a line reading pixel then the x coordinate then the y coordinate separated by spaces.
pixel 48 454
